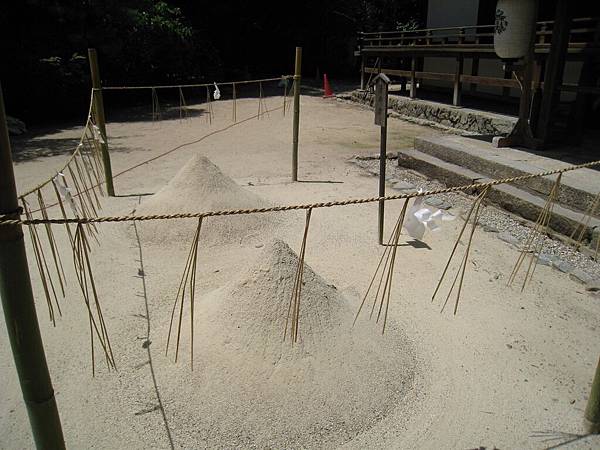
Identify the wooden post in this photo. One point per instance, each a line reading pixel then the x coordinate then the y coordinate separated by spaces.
pixel 382 164
pixel 296 124
pixel 381 106
pixel 99 109
pixel 555 64
pixel 413 78
pixel 592 411
pixel 457 83
pixel 507 76
pixel 474 72
pixel 19 311
pixel 362 73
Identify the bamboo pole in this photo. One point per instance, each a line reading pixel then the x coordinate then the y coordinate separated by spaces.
pixel 99 109
pixel 297 80
pixel 592 411
pixel 19 311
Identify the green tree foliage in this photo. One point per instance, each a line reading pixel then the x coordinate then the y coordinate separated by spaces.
pixel 44 43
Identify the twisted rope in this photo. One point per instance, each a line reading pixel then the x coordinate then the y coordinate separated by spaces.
pixel 147 161
pixel 73 155
pixel 90 110
pixel 172 86
pixel 8 219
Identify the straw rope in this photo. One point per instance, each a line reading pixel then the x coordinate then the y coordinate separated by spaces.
pixel 72 157
pixel 173 86
pixel 155 114
pixel 9 220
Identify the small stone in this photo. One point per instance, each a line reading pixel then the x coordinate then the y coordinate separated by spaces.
pixel 545 260
pixel 403 186
pixel 259 245
pixel 593 286
pixel 508 238
pixel 434 201
pixel 563 266
pixel 445 206
pixel 146 343
pixel 490 229
pixel 580 276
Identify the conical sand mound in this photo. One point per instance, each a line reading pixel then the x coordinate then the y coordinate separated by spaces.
pixel 249 388
pixel 201 186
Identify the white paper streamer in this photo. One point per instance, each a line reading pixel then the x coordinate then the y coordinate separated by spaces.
pixel 420 218
pixel 217 93
pixel 65 192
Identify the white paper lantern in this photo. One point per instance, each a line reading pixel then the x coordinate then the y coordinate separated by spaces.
pixel 513 28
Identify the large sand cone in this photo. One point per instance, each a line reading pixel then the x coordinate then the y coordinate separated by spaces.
pixel 201 186
pixel 249 388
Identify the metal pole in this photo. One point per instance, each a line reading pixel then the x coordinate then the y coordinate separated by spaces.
pixel 99 109
pixel 382 161
pixel 592 411
pixel 19 311
pixel 297 80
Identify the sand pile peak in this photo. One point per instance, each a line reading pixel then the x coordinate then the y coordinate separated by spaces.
pixel 260 300
pixel 201 186
pixel 250 388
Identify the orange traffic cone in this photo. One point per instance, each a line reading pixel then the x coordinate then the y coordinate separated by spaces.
pixel 326 87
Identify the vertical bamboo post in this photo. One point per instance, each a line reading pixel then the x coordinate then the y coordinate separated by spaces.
pixel 297 80
pixel 19 311
pixel 99 109
pixel 592 411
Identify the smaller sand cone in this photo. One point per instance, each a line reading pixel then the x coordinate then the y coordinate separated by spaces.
pixel 328 92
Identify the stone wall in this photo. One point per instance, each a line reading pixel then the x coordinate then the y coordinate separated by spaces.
pixel 473 121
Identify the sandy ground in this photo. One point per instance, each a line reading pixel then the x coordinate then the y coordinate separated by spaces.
pixel 511 370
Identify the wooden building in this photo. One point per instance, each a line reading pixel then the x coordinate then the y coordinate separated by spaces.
pixel 455 54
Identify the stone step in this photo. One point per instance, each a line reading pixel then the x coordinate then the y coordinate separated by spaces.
pixel 508 197
pixel 578 188
pixel 458 118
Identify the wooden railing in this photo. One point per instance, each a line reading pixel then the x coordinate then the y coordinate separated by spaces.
pixel 468 42
pixel 583 31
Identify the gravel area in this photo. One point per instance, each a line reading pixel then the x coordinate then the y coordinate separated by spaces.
pixel 510 228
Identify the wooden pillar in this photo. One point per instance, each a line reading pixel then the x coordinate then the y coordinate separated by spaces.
pixel 474 72
pixel 413 77
pixel 362 72
pixel 577 116
pixel 507 76
pixel 536 99
pixel 554 69
pixel 586 78
pixel 456 98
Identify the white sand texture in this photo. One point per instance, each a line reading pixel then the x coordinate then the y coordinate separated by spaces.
pixel 511 370
pixel 250 388
pixel 200 186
